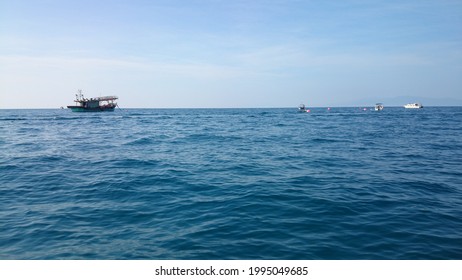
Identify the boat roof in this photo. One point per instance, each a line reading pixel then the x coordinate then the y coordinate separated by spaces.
pixel 105 98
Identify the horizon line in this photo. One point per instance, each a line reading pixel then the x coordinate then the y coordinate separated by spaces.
pixel 202 108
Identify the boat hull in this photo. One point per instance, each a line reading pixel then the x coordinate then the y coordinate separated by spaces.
pixel 96 109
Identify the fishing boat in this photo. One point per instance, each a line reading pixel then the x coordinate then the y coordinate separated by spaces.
pixel 95 104
pixel 378 107
pixel 413 106
pixel 302 108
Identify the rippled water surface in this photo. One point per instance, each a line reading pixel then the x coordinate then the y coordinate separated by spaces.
pixel 231 184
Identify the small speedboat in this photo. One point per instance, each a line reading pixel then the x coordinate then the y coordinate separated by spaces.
pixel 378 107
pixel 302 109
pixel 413 106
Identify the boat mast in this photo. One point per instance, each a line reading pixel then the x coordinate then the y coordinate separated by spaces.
pixel 79 97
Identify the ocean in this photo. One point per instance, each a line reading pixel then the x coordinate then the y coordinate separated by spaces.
pixel 228 184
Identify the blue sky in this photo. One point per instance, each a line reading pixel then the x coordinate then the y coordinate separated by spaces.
pixel 212 53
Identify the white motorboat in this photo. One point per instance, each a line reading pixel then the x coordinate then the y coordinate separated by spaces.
pixel 379 107
pixel 413 106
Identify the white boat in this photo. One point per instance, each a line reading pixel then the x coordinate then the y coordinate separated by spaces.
pixel 379 107
pixel 413 106
pixel 302 108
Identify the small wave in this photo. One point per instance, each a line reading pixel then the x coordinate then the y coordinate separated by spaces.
pixel 330 140
pixel 13 119
pixel 141 141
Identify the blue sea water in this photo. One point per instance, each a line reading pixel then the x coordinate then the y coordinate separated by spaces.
pixel 231 184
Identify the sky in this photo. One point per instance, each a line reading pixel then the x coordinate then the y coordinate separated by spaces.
pixel 226 54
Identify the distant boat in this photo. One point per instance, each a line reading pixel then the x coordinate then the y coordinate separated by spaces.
pixel 413 106
pixel 96 104
pixel 378 107
pixel 302 109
